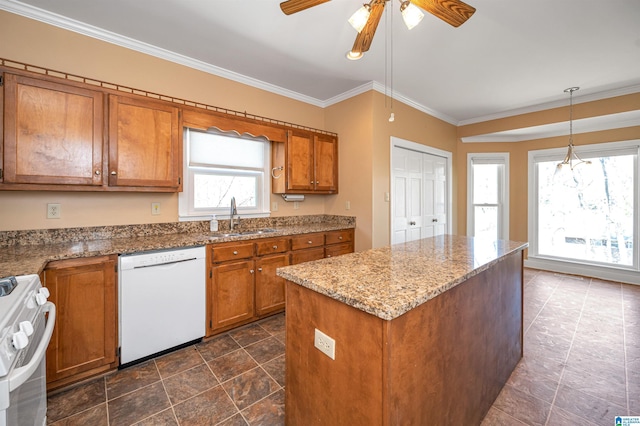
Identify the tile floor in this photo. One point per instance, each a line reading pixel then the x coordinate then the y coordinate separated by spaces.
pixel 581 367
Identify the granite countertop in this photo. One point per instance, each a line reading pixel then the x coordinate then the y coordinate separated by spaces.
pixel 390 281
pixel 32 257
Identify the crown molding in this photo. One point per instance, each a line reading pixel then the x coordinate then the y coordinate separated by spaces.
pixel 142 47
pixel 629 90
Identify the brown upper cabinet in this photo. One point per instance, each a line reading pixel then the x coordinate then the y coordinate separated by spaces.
pixel 144 143
pixel 309 161
pixel 53 133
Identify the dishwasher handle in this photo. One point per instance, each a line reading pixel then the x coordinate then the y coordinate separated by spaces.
pixel 165 263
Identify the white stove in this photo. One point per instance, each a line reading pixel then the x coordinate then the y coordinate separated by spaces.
pixel 25 332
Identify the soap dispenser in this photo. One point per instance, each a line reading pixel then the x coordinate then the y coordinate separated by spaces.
pixel 213 225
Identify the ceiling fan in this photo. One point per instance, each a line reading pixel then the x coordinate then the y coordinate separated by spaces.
pixel 366 19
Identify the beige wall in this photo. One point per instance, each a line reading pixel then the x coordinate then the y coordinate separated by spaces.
pixel 46 46
pixel 361 122
pixel 519 151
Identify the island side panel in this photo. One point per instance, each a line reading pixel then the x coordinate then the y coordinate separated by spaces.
pixel 322 391
pixel 448 359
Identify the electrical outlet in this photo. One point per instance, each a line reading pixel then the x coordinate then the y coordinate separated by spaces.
pixel 54 211
pixel 296 205
pixel 347 205
pixel 274 206
pixel 387 198
pixel 325 344
pixel 155 208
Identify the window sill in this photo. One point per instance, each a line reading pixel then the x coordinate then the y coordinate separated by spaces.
pixel 609 273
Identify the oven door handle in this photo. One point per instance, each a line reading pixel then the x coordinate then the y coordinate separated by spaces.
pixel 22 374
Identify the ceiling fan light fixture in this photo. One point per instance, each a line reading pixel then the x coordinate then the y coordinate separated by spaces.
pixel 411 14
pixel 359 19
pixel 354 56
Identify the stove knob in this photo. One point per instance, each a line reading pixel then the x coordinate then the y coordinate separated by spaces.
pixel 26 327
pixel 41 299
pixel 20 340
pixel 45 291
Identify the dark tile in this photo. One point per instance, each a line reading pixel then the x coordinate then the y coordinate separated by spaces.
pixel 236 420
pixel 594 409
pixel 138 405
pixel 217 346
pixel 232 364
pixel 276 368
pixel 282 338
pixel 268 411
pixel 560 417
pixel 535 384
pixel 250 387
pixel 95 416
pixel 178 361
pixel 164 418
pixel 496 417
pixel 274 325
pixel 540 366
pixel 207 408
pixel 610 388
pixel 249 334
pixel 191 382
pixel 75 400
pixel 265 350
pixel 522 406
pixel 132 378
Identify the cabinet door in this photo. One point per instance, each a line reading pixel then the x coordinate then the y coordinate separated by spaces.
pixel 232 298
pixel 269 286
pixel 144 143
pixel 84 337
pixel 325 149
pixel 52 133
pixel 300 173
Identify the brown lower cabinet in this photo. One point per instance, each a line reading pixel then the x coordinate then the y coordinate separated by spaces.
pixel 243 285
pixel 84 340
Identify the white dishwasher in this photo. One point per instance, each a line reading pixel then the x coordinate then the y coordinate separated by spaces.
pixel 162 301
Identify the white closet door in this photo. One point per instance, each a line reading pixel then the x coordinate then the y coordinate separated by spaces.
pixel 419 195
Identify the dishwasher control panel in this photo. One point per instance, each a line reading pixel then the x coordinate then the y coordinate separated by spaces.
pixel 161 257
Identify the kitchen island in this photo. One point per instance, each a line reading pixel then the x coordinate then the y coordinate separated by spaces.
pixel 425 332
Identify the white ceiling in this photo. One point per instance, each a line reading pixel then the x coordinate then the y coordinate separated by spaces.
pixel 512 56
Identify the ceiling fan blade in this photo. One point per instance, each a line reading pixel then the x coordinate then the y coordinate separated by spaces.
pixel 293 6
pixel 365 37
pixel 453 12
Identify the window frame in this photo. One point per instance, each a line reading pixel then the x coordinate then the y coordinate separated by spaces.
pixel 186 209
pixel 499 158
pixel 621 273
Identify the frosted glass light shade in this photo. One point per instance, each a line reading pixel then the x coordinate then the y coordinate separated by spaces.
pixel 359 19
pixel 411 14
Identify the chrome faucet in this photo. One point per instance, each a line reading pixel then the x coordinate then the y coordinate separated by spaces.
pixel 234 212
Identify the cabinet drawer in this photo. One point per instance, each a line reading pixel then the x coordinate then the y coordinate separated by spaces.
pixel 307 241
pixel 336 237
pixel 308 255
pixel 231 252
pixel 338 249
pixel 276 245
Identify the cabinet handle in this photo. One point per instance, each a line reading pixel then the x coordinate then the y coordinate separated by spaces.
pixel 113 173
pixel 340 237
pixel 317 182
pixel 251 271
pixel 311 182
pixel 259 269
pixel 235 252
pixel 435 219
pixel 412 223
pixel 328 255
pixel 309 242
pixel 275 247
pixel 97 172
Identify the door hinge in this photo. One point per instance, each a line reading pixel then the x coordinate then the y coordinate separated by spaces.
pixel 1 169
pixel 115 267
pixel 179 181
pixel 210 324
pixel 210 273
pixel 118 352
pixel 1 80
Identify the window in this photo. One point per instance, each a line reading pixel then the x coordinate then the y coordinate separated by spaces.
pixel 487 196
pixel 588 216
pixel 219 166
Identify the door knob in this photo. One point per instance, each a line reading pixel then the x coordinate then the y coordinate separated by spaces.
pixel 435 219
pixel 412 223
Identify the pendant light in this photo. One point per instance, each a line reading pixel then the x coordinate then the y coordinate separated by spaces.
pixel 572 159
